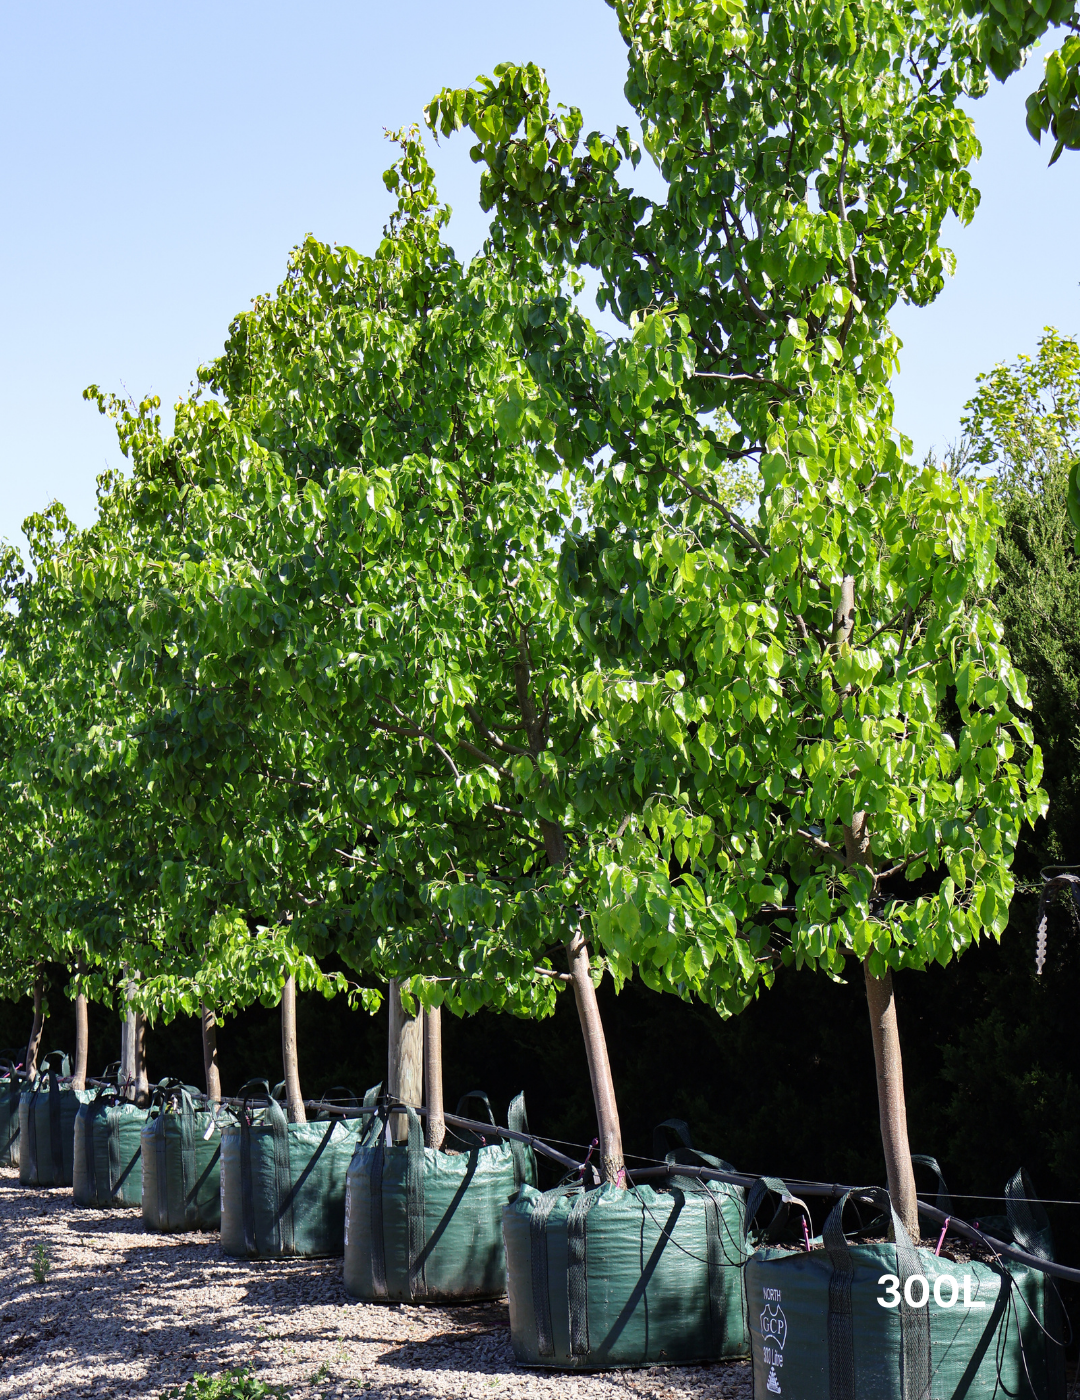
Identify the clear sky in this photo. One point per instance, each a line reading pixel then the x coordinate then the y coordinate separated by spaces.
pixel 160 161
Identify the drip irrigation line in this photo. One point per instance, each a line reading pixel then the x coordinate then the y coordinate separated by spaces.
pixel 831 1190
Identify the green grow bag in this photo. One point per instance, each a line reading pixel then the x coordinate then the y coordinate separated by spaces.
pixel 12 1083
pixel 283 1184
pixel 422 1224
pixel 851 1321
pixel 47 1113
pixel 108 1169
pixel 607 1277
pixel 181 1165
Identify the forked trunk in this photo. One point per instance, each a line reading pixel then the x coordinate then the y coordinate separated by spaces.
pixel 209 1050
pixel 892 1110
pixel 293 1098
pixel 33 1046
pixel 609 1131
pixel 82 1033
pixel 891 1107
pixel 404 1061
pixel 435 1126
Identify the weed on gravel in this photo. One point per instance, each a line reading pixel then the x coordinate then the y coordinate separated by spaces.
pixel 230 1385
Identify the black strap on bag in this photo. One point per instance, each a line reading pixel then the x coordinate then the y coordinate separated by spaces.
pixel 15 1082
pixel 31 1137
pixel 247 1189
pixel 577 1271
pixel 56 1130
pixel 914 1322
pixel 378 1239
pixel 284 1220
pixel 538 1252
pixel 415 1206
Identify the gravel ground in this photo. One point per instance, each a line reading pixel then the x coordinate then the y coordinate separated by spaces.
pixel 125 1313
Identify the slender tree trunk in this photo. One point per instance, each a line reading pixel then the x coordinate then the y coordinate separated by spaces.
pixel 141 1086
pixel 892 1110
pixel 82 1033
pixel 294 1099
pixel 435 1126
pixel 126 1076
pixel 209 1050
pixel 891 1107
pixel 609 1131
pixel 405 1061
pixel 33 1045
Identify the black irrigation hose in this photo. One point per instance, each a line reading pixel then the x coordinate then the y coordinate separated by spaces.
pixel 832 1190
pixel 821 1188
pixel 470 1124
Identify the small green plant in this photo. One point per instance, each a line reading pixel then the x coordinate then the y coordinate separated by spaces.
pixel 322 1374
pixel 229 1385
pixel 40 1264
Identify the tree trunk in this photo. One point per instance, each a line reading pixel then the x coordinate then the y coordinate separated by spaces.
pixel 141 1087
pixel 609 1131
pixel 435 1126
pixel 126 1077
pixel 891 1107
pixel 892 1110
pixel 293 1097
pixel 82 1033
pixel 209 1051
pixel 405 1062
pixel 33 1045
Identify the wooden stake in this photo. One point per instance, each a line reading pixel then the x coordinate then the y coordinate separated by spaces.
pixel 405 1061
pixel 609 1130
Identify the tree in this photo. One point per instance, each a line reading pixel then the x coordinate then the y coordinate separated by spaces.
pixel 819 808
pixel 1024 424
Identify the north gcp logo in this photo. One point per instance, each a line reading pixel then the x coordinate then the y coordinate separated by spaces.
pixel 774 1325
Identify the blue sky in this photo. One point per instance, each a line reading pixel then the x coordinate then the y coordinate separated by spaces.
pixel 160 161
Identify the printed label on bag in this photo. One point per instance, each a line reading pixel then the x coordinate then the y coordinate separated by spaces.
pixel 773 1336
pixel 946 1291
pixel 221 1182
pixel 348 1210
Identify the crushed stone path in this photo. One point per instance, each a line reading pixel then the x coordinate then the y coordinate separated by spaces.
pixel 124 1313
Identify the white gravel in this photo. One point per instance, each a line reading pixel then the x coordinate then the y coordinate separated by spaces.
pixel 124 1313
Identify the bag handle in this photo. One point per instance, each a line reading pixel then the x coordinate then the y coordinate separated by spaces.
pixel 679 1127
pixel 943 1201
pixel 764 1186
pixel 481 1097
pixel 1028 1221
pixel 65 1064
pixel 371 1096
pixel 517 1120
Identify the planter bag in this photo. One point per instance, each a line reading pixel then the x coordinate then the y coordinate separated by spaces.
pixel 47 1113
pixel 852 1320
pixel 606 1277
pixel 108 1167
pixel 181 1164
pixel 283 1184
pixel 12 1084
pixel 426 1224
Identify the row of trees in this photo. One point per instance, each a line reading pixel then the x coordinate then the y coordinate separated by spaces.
pixel 490 656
